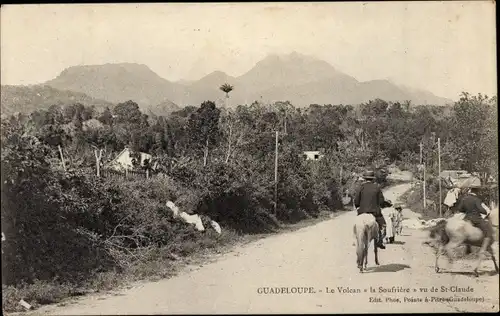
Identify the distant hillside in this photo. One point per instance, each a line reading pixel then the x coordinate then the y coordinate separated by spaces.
pixel 118 83
pixel 207 88
pixel 300 79
pixel 26 99
pixel 304 80
pixel 162 109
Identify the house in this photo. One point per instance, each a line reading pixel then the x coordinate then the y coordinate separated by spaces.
pixel 124 160
pixel 455 176
pixel 313 155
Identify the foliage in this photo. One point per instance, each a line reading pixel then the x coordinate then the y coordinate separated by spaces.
pixel 226 88
pixel 67 225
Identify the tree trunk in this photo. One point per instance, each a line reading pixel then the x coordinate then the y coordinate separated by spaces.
pixel 98 161
pixel 205 154
pixel 229 143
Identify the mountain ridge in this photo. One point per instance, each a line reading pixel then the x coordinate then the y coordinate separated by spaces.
pixel 298 78
pixel 28 98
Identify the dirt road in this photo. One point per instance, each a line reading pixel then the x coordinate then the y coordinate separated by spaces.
pixel 320 258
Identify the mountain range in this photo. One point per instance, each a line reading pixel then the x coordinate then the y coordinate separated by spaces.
pixel 26 99
pixel 300 79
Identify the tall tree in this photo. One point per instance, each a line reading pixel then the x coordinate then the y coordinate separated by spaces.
pixel 128 112
pixel 106 117
pixel 203 128
pixel 474 132
pixel 226 88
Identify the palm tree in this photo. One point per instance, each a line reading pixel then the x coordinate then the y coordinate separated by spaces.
pixel 226 88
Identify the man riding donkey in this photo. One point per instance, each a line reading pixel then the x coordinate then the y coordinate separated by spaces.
pixel 370 200
pixel 473 207
pixel 471 230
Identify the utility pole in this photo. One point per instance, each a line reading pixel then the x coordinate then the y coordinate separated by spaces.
pixel 423 166
pixel 439 176
pixel 421 150
pixel 285 120
pixel 425 197
pixel 276 176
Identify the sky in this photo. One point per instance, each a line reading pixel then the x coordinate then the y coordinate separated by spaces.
pixel 443 47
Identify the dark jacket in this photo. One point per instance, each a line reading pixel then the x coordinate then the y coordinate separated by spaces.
pixel 369 199
pixel 470 204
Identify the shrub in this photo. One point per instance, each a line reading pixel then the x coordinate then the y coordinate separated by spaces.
pixel 42 213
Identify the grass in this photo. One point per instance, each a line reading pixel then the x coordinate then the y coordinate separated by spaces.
pixel 159 263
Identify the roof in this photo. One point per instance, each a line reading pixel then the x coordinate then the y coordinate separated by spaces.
pixel 455 173
pixel 116 157
pixel 121 152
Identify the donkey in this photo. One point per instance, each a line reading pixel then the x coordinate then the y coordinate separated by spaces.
pixel 365 231
pixel 453 232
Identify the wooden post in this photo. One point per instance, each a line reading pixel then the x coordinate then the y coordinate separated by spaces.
pixel 62 157
pixel 126 173
pixel 276 176
pixel 439 176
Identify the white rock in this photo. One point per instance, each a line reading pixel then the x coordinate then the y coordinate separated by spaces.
pixel 215 226
pixel 173 207
pixel 193 219
pixel 24 304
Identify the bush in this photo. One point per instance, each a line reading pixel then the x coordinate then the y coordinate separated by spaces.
pixel 67 225
pixel 234 197
pixel 44 213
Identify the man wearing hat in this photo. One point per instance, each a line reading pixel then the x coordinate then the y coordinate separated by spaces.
pixel 473 207
pixel 369 199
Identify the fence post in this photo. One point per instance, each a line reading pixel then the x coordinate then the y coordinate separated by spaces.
pixel 62 157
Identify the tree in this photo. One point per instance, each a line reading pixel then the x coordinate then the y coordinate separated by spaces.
pixel 77 121
pixel 88 112
pixel 226 88
pixel 235 130
pixel 128 112
pixel 106 117
pixel 203 128
pixel 322 127
pixel 473 130
pixel 55 115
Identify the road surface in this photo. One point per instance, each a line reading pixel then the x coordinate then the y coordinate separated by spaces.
pixel 319 259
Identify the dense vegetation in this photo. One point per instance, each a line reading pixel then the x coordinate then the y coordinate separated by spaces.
pixel 66 225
